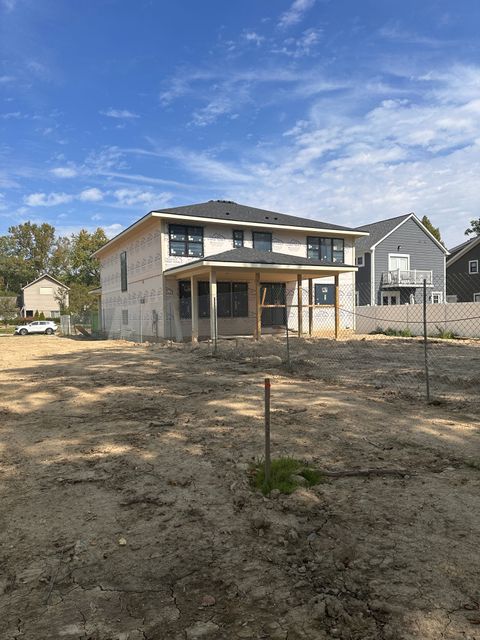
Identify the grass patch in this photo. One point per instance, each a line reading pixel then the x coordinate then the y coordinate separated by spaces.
pixel 285 474
pixel 444 334
pixel 389 331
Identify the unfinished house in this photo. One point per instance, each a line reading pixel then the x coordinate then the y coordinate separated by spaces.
pixel 225 269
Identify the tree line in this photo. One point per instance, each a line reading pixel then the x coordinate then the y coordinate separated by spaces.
pixel 30 249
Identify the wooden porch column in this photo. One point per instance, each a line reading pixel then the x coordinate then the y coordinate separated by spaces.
pixel 300 305
pixel 258 311
pixel 213 304
pixel 337 307
pixel 310 308
pixel 194 305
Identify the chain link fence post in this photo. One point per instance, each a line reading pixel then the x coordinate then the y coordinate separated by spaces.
pixel 425 339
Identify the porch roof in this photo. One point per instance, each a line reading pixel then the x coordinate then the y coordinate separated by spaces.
pixel 254 260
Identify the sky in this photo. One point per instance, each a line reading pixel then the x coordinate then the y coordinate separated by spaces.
pixel 345 111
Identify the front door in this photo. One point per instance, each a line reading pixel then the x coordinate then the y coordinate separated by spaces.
pixel 273 293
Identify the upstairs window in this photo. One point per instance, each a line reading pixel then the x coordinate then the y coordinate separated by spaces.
pixel 237 239
pixel 123 271
pixel 473 267
pixel 262 241
pixel 326 249
pixel 186 241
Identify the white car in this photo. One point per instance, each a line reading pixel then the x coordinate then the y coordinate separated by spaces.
pixel 39 326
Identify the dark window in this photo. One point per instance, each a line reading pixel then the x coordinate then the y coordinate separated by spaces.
pixel 238 239
pixel 325 294
pixel 224 295
pixel 124 316
pixel 186 241
pixel 232 299
pixel 123 271
pixel 185 299
pixel 240 299
pixel 203 299
pixel 326 249
pixel 262 241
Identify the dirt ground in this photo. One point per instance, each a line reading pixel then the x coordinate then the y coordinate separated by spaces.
pixel 126 510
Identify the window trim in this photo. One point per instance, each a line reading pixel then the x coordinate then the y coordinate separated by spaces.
pixel 470 272
pixel 263 233
pixel 440 297
pixel 318 240
pixel 475 295
pixel 399 255
pixel 360 261
pixel 123 271
pixel 186 227
pixel 242 236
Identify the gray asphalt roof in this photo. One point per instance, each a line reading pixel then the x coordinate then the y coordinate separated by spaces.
pixel 226 210
pixel 253 256
pixel 461 246
pixel 377 231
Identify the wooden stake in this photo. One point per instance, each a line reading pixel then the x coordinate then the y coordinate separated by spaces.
pixel 258 313
pixel 267 430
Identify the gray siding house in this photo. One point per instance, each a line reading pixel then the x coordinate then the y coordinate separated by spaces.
pixel 394 260
pixel 463 272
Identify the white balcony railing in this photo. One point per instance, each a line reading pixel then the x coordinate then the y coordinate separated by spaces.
pixel 399 278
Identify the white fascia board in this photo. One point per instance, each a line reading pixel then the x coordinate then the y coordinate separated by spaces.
pixel 122 234
pixel 257 266
pixel 422 226
pixel 232 223
pixel 464 251
pixel 260 225
pixel 45 275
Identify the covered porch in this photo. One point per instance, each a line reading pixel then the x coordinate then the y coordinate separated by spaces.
pixel 254 295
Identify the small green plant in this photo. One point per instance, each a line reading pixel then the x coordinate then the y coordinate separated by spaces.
pixel 389 331
pixel 445 334
pixel 285 475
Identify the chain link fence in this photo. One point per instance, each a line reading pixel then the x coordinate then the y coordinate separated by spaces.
pixel 420 340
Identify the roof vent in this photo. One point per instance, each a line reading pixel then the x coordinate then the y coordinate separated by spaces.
pixel 227 201
pixel 227 213
pixel 266 218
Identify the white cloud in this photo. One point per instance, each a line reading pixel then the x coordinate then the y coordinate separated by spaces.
pixel 302 46
pixel 295 14
pixel 47 200
pixel 112 230
pixel 354 166
pixel 254 37
pixel 132 197
pixel 9 5
pixel 12 115
pixel 5 79
pixel 91 195
pixel 122 114
pixel 64 172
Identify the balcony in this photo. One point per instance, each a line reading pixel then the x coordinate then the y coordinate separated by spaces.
pixel 399 278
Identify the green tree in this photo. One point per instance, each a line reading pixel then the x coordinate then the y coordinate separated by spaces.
pixel 85 269
pixel 8 308
pixel 26 252
pixel 474 228
pixel 80 300
pixel 435 231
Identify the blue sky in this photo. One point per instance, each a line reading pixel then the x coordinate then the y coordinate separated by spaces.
pixel 342 110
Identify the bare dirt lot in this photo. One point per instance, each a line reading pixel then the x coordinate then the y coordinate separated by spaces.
pixel 126 509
